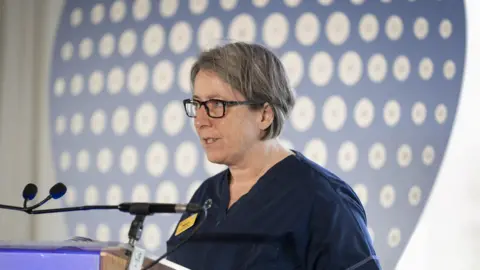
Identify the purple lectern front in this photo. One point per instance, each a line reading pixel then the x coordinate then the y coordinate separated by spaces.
pixel 67 256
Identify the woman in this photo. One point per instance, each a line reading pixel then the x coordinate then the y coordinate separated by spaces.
pixel 272 208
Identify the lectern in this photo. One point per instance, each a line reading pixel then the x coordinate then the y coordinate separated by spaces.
pixel 70 256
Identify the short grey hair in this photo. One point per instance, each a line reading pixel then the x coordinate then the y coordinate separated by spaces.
pixel 256 72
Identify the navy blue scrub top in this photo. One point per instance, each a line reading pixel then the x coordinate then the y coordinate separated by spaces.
pixel 297 216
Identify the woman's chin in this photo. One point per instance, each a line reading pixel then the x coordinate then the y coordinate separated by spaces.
pixel 215 157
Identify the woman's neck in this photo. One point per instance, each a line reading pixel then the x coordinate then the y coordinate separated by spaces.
pixel 257 161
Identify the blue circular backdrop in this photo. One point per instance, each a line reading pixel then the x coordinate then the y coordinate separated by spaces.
pixel 378 85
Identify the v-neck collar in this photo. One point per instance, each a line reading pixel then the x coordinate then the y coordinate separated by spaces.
pixel 263 181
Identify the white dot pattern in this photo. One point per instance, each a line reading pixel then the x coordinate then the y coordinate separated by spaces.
pixel 376 98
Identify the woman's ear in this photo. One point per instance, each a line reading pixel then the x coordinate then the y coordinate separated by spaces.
pixel 266 117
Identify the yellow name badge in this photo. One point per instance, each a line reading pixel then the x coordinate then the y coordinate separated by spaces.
pixel 186 224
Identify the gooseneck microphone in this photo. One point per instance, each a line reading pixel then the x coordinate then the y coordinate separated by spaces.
pixel 56 192
pixel 29 193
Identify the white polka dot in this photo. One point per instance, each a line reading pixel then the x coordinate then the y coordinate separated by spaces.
pixel 65 161
pixel 127 42
pixel 168 8
pixel 362 192
pixel 321 68
pixel 425 68
pixel 59 87
pixel 334 113
pixel 156 159
pixel 83 160
pixel 337 28
pixel 414 195
pixel 377 68
pixel 76 84
pixel 394 27
pixel 445 29
pixel 141 9
pixel 325 2
pixel 180 37
pixel 307 28
pixel 97 122
pixel 81 230
pixel 107 45
pixel 186 158
pixel 391 113
pixel 71 196
pixel 138 77
pixel 115 80
pixel 212 168
pixel 242 28
pixel 347 156
pixel 103 233
pixel 210 32
pixel 184 74
pixel 120 121
pixel 173 118
pixel 420 28
pixel 357 2
pixel 167 192
pixel 60 124
pixel 387 196
pixel 152 237
pixel 76 17
pixel 76 124
pixel 293 63
pixel 141 193
pixel 128 160
pixel 145 119
pixel 104 160
pixel 404 155
pixel 292 3
pixel 163 76
pixel 303 114
pixel 316 150
pixel 97 14
pixel 350 68
pixel 441 113
pixel 428 155
pixel 192 188
pixel 419 113
pixel 364 112
pixel 123 233
pixel 153 40
pixel 228 5
pixel 275 30
pixel 260 3
pixel 85 48
pixel 394 237
pixel 368 27
pixel 377 156
pixel 96 82
pixel 91 195
pixel 67 51
pixel 401 68
pixel 449 69
pixel 114 195
pixel 198 6
pixel 118 11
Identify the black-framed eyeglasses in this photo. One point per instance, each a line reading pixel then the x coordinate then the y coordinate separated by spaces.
pixel 215 107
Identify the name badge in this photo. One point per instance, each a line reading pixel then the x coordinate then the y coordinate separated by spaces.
pixel 186 224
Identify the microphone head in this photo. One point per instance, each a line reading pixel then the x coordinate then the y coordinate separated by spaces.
pixel 58 190
pixel 29 192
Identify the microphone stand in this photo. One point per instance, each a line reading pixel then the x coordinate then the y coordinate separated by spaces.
pixel 137 255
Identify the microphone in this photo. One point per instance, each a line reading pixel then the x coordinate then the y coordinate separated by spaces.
pixel 154 208
pixel 56 192
pixel 29 193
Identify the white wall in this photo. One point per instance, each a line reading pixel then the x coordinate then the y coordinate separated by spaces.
pixel 448 236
